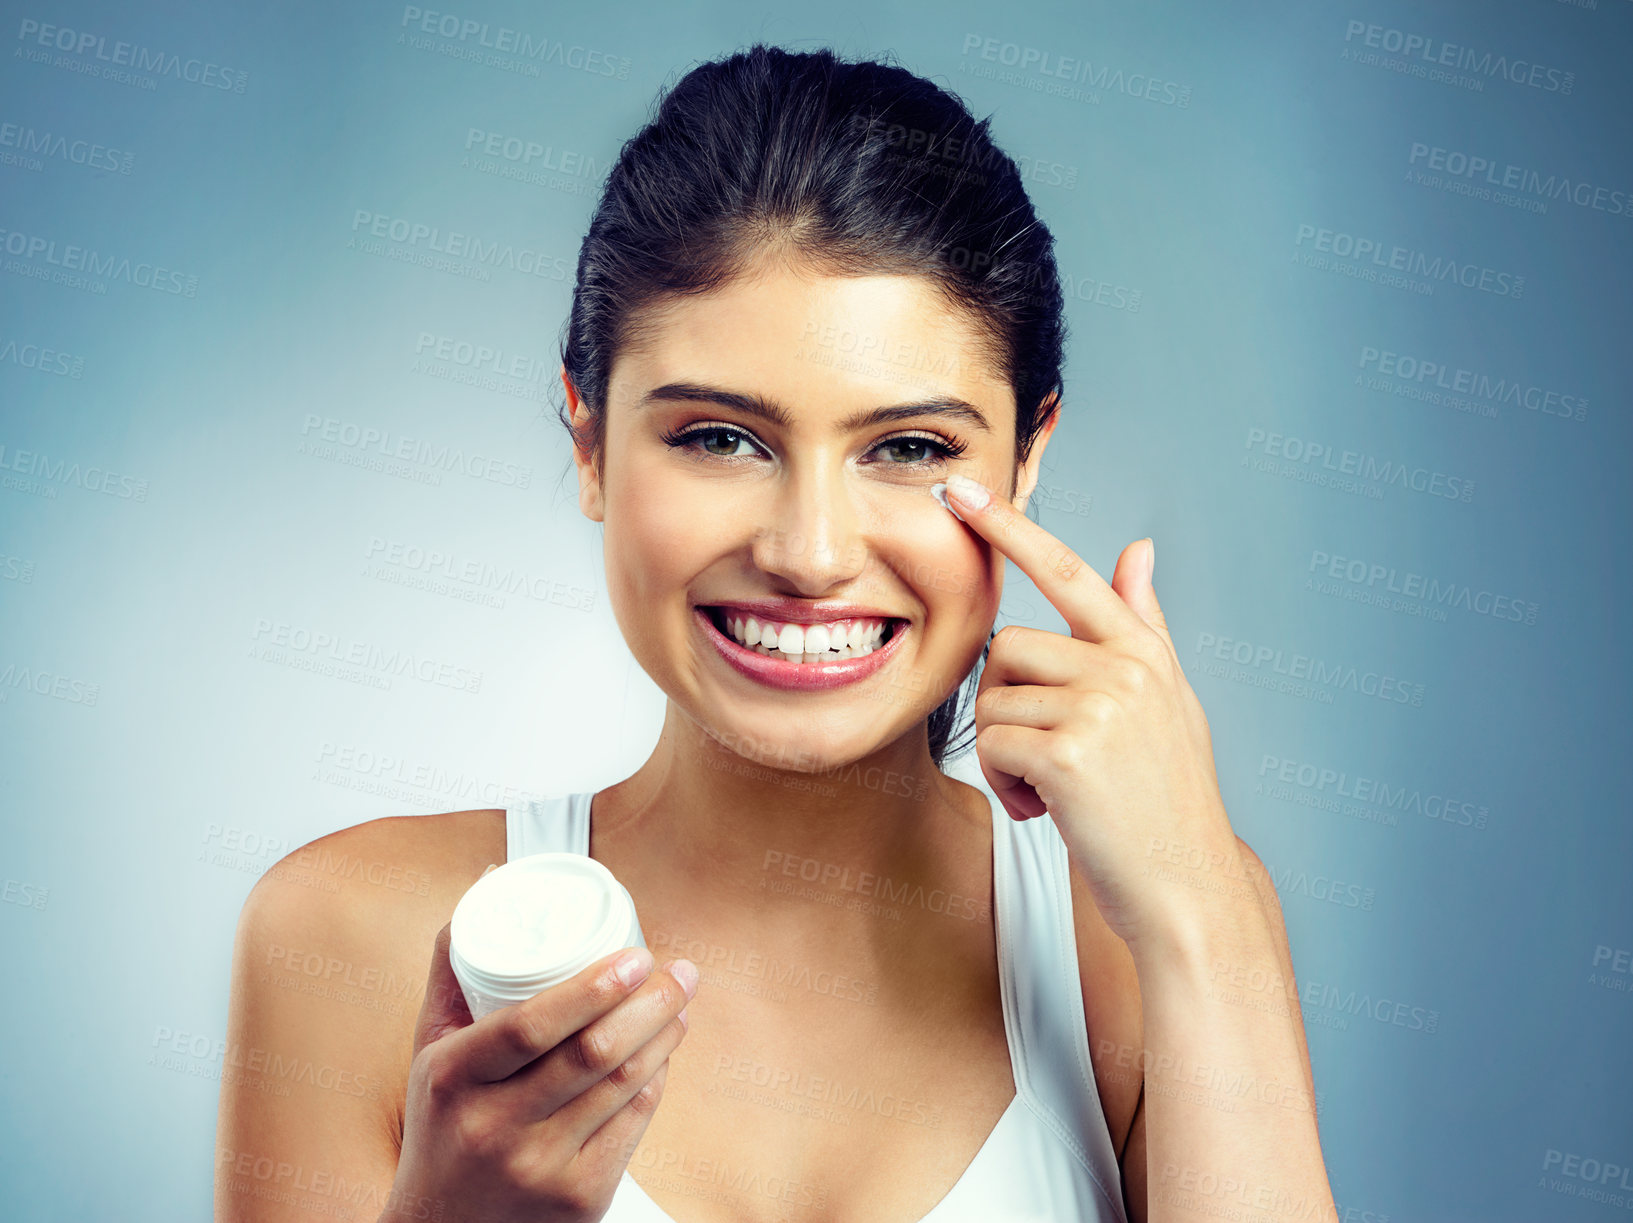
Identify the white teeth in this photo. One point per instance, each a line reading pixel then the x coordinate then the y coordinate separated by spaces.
pixel 807 642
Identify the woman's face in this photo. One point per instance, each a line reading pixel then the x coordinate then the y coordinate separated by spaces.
pixel 714 513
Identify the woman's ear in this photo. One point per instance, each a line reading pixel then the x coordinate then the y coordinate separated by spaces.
pixel 589 472
pixel 1026 478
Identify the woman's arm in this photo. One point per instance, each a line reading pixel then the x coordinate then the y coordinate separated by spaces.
pixel 1227 1122
pixel 1102 730
pixel 322 996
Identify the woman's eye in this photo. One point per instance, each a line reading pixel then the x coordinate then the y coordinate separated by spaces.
pixel 695 440
pixel 720 442
pixel 926 451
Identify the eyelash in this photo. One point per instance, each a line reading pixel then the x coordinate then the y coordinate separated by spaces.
pixel 942 448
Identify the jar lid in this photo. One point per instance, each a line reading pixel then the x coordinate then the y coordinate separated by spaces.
pixel 539 914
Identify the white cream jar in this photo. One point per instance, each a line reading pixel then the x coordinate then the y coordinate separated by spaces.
pixel 534 922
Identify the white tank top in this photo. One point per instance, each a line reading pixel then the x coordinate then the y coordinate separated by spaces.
pixel 1050 1155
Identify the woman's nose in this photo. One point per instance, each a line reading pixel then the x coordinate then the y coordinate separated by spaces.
pixel 810 536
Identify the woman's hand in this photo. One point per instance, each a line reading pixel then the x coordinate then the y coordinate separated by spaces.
pixel 533 1111
pixel 1101 728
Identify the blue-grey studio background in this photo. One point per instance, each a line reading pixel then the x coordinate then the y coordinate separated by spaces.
pixel 1350 309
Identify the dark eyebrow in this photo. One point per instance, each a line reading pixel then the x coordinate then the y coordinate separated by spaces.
pixel 770 410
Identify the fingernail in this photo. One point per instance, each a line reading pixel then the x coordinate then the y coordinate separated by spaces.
pixel 685 972
pixel 939 492
pixel 492 866
pixel 682 1018
pixel 1150 558
pixel 971 492
pixel 632 967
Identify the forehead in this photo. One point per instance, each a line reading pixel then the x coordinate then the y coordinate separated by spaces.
pixel 819 343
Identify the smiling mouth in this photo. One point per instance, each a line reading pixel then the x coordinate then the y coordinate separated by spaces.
pixel 834 642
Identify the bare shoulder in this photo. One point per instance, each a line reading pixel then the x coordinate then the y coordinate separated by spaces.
pixel 368 897
pixel 330 962
pixel 343 927
pixel 369 865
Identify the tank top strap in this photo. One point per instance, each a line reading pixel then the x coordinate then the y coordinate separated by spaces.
pixel 1043 993
pixel 560 824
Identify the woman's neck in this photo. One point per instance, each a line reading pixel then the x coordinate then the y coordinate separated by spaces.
pixel 730 828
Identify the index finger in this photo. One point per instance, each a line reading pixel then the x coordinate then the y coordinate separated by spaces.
pixel 1085 600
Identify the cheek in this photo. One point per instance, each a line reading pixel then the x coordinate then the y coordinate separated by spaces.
pixel 953 572
pixel 654 540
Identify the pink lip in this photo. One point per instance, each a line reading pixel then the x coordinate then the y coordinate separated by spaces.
pixel 798 676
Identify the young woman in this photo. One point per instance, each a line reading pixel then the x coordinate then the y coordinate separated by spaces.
pixel 813 302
